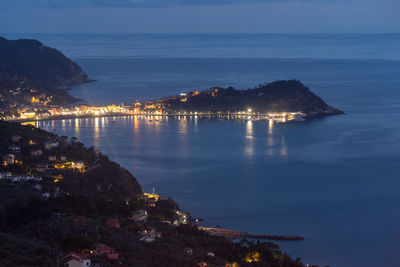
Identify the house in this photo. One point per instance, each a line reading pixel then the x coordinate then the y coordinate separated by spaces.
pixel 72 259
pixel 36 152
pixel 6 175
pixel 63 158
pixel 14 148
pixel 9 159
pixel 52 158
pixel 50 145
pixel 16 138
pixel 149 235
pixel 78 165
pixel 41 167
pixel 110 253
pixel 112 223
pixel 139 216
pixel 24 178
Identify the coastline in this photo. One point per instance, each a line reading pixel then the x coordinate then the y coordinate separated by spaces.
pixel 220 115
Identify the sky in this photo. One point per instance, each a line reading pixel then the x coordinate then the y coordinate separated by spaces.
pixel 199 16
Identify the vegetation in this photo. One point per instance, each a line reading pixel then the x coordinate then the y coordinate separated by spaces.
pixel 278 96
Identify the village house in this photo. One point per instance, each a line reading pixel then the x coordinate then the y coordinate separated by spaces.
pixel 110 253
pixel 6 175
pixel 16 138
pixel 9 159
pixel 149 235
pixel 50 145
pixel 36 152
pixel 14 148
pixel 72 259
pixel 139 216
pixel 42 167
pixel 24 178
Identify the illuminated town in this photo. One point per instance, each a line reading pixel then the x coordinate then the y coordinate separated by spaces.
pixel 42 112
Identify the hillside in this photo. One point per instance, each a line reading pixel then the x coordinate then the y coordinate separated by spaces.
pixel 278 96
pixel 35 64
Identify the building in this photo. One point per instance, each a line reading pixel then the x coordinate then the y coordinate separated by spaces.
pixel 50 145
pixel 36 152
pixel 72 259
pixel 139 216
pixel 16 138
pixel 63 158
pixel 149 235
pixel 52 158
pixel 9 159
pixel 41 167
pixel 110 253
pixel 14 148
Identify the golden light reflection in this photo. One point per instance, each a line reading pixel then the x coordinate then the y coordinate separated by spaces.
pixel 136 124
pixel 76 126
pixel 283 150
pixel 270 138
pixel 249 150
pixel 183 136
pixel 96 132
pixel 270 126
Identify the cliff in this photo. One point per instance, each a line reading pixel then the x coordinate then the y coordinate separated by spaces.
pixel 31 62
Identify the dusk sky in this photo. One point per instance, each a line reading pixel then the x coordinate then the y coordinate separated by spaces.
pixel 199 16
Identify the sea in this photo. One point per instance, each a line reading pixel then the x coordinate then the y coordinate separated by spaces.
pixel 335 180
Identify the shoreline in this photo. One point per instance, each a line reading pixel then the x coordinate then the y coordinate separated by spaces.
pixel 233 116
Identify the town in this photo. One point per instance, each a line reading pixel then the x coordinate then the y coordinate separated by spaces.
pixel 40 110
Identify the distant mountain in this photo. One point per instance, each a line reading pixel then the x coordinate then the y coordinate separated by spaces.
pixel 31 63
pixel 278 96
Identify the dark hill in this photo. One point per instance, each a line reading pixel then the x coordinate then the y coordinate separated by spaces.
pixel 278 96
pixel 34 64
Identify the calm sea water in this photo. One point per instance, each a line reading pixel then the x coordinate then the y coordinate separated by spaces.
pixel 334 181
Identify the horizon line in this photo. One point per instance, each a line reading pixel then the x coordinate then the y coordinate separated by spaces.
pixel 201 33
